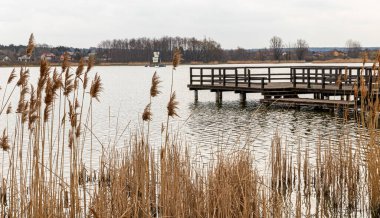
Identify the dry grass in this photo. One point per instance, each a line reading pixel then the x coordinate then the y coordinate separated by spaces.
pixel 341 180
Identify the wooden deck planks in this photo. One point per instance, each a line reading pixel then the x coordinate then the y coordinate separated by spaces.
pixel 309 102
pixel 273 86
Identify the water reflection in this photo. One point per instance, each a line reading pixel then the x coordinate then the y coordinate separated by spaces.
pixel 205 126
pixel 231 127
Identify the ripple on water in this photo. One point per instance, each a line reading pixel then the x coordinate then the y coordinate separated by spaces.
pixel 206 127
pixel 233 128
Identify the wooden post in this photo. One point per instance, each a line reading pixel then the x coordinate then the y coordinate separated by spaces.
pixel 243 97
pixel 191 76
pixel 323 79
pixel 249 77
pixel 218 97
pixel 316 75
pixel 268 74
pixel 343 76
pixel 294 77
pixel 245 74
pixel 330 81
pixel 201 77
pixel 308 78
pixel 303 75
pixel 212 76
pixel 224 77
pixel 262 83
pixel 349 76
pixel 236 78
pixel 220 76
pixel 358 75
pixel 196 95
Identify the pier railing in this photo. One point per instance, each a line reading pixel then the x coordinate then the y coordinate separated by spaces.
pixel 338 76
pixel 237 76
pixel 260 76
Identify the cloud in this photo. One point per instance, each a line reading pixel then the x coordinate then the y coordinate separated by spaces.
pixel 245 23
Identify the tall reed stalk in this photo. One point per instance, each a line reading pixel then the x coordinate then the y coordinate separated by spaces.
pixel 40 179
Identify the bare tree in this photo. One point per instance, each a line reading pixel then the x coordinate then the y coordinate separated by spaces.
pixel 288 52
pixel 353 48
pixel 276 47
pixel 261 54
pixel 301 48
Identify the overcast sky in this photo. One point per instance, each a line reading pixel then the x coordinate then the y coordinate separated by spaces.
pixel 233 23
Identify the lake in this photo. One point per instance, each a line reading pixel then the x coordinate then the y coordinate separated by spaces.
pixel 204 126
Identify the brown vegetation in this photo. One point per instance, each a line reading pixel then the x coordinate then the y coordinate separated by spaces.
pixel 342 180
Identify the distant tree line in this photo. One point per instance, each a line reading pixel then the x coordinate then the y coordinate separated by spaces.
pixel 141 49
pixel 208 50
pixel 193 50
pixel 299 50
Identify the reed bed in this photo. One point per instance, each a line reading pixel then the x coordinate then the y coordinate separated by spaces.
pixel 46 175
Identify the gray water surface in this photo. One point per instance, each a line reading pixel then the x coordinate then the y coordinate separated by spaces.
pixel 203 126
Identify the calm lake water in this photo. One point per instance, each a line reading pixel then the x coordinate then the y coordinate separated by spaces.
pixel 203 126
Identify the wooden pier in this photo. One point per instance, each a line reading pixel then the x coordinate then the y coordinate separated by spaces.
pixel 329 86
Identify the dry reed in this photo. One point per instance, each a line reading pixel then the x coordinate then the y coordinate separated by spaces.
pixel 31 44
pixel 341 180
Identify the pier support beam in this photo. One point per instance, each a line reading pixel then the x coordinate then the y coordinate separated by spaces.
pixel 267 97
pixel 219 97
pixel 196 95
pixel 243 98
pixel 317 96
pixel 348 97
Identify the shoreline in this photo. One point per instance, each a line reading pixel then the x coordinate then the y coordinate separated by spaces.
pixel 357 60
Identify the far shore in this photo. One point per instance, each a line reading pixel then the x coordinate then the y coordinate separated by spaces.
pixel 54 64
